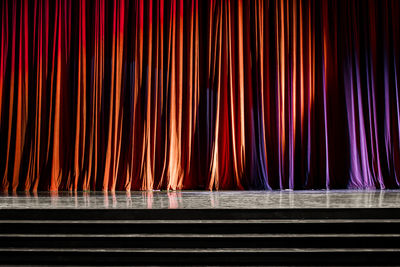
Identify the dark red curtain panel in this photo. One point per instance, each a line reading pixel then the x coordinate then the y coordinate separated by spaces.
pixel 193 94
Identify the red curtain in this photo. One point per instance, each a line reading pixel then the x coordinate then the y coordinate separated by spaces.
pixel 193 94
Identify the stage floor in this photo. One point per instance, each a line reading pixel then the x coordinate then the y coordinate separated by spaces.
pixel 153 228
pixel 203 200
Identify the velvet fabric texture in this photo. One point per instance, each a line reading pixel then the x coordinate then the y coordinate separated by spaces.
pixel 199 94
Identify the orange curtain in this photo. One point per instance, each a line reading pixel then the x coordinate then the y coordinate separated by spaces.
pixel 193 94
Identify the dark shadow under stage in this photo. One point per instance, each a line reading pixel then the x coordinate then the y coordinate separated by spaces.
pixel 201 228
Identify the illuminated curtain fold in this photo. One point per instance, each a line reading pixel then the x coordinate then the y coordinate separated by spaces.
pixel 192 94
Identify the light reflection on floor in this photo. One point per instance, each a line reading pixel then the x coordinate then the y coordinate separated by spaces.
pixel 203 199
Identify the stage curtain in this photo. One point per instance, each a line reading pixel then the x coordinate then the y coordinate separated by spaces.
pixel 199 94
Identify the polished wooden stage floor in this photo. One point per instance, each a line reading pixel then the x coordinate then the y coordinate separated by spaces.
pixel 202 199
pixel 201 228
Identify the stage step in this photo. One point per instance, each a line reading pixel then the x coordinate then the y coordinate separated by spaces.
pixel 223 256
pixel 201 241
pixel 200 237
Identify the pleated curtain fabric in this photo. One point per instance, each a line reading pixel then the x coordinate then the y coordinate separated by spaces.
pixel 199 94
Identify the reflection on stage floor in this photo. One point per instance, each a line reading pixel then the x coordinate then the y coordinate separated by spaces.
pixel 203 199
